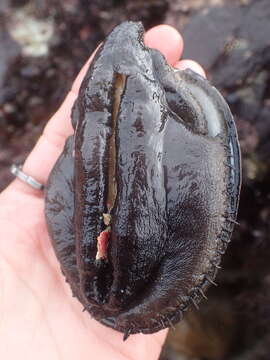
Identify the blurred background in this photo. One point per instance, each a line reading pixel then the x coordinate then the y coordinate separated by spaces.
pixel 44 43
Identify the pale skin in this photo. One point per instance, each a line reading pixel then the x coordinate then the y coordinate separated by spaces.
pixel 39 319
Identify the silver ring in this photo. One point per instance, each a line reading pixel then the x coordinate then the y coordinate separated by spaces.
pixel 16 170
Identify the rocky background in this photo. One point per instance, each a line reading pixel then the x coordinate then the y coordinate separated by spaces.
pixel 43 44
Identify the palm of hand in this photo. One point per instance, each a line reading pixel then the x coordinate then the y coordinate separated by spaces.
pixel 38 313
pixel 38 316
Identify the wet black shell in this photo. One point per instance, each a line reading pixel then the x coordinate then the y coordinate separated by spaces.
pixel 177 172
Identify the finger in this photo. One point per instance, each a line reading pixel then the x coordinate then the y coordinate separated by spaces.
pixel 190 64
pixel 49 146
pixel 167 40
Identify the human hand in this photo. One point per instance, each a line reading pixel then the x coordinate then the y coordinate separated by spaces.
pixel 38 316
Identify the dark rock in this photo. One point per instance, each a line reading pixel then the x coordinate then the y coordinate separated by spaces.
pixel 251 51
pixel 4 7
pixel 10 50
pixel 207 334
pixel 230 40
pixel 209 32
